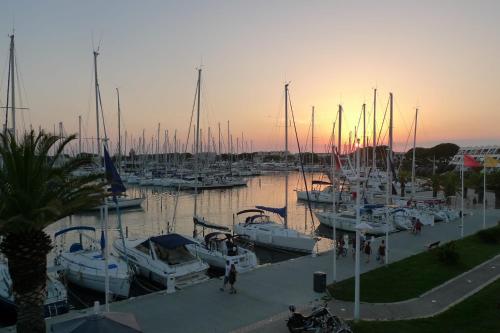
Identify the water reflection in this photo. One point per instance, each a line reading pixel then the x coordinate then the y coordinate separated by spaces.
pixel 217 206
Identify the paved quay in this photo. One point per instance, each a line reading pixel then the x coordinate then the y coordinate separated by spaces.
pixel 431 303
pixel 268 291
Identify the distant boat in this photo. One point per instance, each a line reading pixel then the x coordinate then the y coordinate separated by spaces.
pixel 347 221
pixel 123 203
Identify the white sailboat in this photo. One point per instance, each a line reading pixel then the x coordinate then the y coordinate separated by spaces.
pixel 263 231
pixel 56 301
pixel 220 248
pixel 86 266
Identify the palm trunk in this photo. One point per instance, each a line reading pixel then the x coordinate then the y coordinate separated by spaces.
pixel 27 257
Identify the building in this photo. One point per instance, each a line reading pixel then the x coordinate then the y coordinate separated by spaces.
pixel 478 152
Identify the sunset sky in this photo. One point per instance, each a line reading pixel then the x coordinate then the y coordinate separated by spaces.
pixel 440 56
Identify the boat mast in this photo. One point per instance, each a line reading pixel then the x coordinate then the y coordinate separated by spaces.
pixel 365 161
pixel 96 84
pixel 374 151
pixel 339 145
pixel 390 146
pixel 119 132
pixel 12 84
pixel 286 156
pixel 80 135
pixel 413 162
pixel 312 137
pixel 219 151
pixel 196 149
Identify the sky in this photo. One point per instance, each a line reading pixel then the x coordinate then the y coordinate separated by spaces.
pixel 440 56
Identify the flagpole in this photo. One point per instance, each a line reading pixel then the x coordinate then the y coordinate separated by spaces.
pixel 484 192
pixel 106 256
pixel 462 195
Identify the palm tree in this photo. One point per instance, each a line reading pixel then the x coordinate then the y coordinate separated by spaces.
pixel 36 190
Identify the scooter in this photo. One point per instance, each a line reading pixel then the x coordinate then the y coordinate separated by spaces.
pixel 320 320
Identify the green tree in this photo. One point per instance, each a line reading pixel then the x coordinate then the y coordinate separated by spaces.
pixel 450 182
pixel 36 190
pixel 436 185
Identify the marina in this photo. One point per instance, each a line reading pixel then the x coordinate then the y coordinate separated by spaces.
pixel 264 293
pixel 192 167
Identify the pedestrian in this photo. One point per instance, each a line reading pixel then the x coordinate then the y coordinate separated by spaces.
pixel 340 245
pixel 418 226
pixel 381 252
pixel 226 276
pixel 368 251
pixel 413 225
pixel 232 278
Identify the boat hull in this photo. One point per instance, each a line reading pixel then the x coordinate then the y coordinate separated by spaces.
pixel 92 275
pixel 293 241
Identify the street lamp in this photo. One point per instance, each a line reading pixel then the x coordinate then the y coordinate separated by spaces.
pixel 357 255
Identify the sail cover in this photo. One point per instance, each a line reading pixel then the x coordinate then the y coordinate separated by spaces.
pixel 202 222
pixel 280 211
pixel 321 182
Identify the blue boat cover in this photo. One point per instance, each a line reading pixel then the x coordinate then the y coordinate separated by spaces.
pixel 250 211
pixel 280 211
pixel 171 241
pixel 63 231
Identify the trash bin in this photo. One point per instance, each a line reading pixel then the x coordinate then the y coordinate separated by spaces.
pixel 319 282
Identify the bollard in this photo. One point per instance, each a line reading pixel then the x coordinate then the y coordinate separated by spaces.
pixel 170 284
pixel 319 282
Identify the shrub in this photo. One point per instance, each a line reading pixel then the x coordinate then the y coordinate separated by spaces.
pixel 447 253
pixel 490 236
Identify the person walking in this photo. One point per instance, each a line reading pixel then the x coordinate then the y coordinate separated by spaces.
pixel 226 276
pixel 418 226
pixel 368 251
pixel 340 246
pixel 232 278
pixel 381 252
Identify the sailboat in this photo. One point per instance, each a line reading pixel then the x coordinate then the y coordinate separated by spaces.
pixel 56 300
pixel 85 266
pixel 263 231
pixel 217 248
pixel 220 248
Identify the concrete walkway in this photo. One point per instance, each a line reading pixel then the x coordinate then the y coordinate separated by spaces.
pixel 431 303
pixel 269 290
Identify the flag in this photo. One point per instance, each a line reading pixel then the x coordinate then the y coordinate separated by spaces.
pixel 470 162
pixel 112 175
pixel 490 162
pixel 103 240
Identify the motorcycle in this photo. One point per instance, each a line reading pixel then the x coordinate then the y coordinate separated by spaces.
pixel 320 320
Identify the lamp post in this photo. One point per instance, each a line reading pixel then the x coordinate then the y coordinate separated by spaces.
pixel 357 255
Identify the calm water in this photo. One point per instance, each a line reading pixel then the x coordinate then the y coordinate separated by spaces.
pixel 217 206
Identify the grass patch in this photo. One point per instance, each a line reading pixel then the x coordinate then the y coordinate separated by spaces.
pixel 480 313
pixel 417 274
